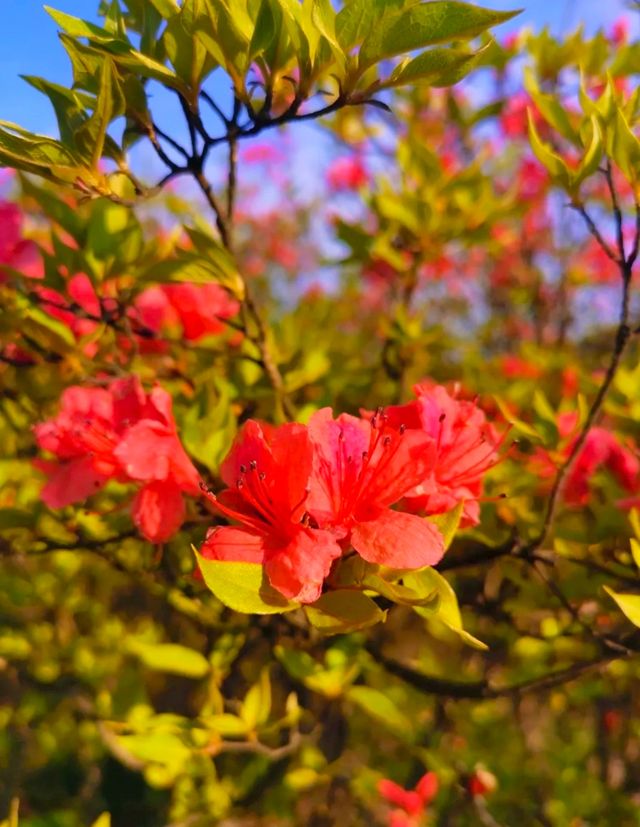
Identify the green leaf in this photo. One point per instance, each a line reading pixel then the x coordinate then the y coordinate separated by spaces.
pixel 518 424
pixel 169 657
pixel 448 523
pixel 16 518
pixel 448 611
pixel 227 725
pixel 439 67
pixel 356 19
pixel 69 106
pixel 265 30
pixel 343 611
pixel 243 587
pixel 185 50
pixel 90 137
pixel 591 160
pixel 76 27
pixel 427 24
pixel 629 604
pixel 256 706
pixel 552 162
pixel 382 709
pixel 550 107
pixel 625 149
pixel 38 154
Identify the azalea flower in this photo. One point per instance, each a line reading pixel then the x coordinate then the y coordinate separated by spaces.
pixel 268 471
pixel 360 468
pixel 411 804
pixel 198 309
pixel 15 251
pixel 347 174
pixel 122 433
pixel 466 447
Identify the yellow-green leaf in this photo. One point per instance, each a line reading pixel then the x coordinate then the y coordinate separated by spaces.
pixel 243 587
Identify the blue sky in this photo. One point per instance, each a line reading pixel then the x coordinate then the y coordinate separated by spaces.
pixel 29 45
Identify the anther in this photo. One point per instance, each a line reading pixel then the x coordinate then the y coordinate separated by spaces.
pixel 243 469
pixel 239 483
pixel 386 441
pixel 442 417
pixel 402 429
pixel 253 465
pixel 262 476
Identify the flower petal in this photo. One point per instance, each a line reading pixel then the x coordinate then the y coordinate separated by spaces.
pixel 398 540
pixel 298 570
pixel 233 544
pixel 151 451
pixel 71 482
pixel 158 510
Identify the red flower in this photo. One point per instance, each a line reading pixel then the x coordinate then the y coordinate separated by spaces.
pixel 199 310
pixel 15 251
pixel 411 803
pixel 347 174
pixel 267 471
pixel 465 449
pixel 601 449
pixel 481 782
pixel 360 469
pixel 119 432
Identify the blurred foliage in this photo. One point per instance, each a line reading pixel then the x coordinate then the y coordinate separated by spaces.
pixel 482 232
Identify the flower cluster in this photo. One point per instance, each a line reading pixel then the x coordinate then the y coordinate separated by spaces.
pixel 410 804
pixel 119 432
pixel 304 495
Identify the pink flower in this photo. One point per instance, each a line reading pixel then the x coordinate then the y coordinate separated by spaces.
pixel 347 173
pixel 465 449
pixel 15 251
pixel 119 432
pixel 620 31
pixel 362 467
pixel 267 471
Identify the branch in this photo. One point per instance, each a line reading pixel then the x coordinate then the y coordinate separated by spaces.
pixel 623 334
pixel 483 690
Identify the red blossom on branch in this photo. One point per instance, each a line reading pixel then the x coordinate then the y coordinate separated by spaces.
pixel 121 433
pixel 362 467
pixel 466 447
pixel 198 309
pixel 267 471
pixel 411 804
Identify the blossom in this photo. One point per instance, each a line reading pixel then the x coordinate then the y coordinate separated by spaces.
pixel 119 432
pixel 347 173
pixel 198 309
pixel 601 449
pixel 411 804
pixel 465 449
pixel 267 473
pixel 360 468
pixel 15 251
